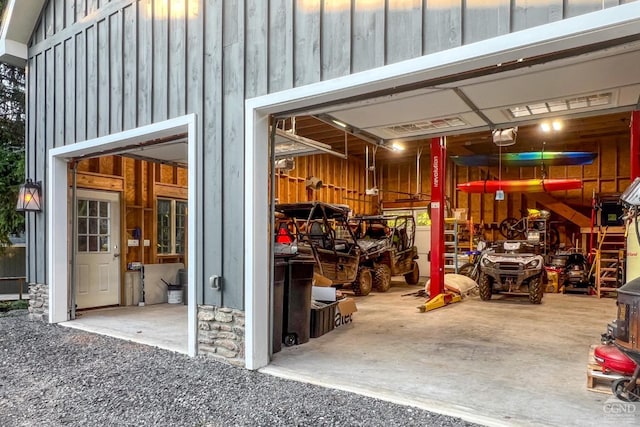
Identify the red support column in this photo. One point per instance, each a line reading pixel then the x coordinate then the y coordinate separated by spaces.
pixel 635 145
pixel 438 157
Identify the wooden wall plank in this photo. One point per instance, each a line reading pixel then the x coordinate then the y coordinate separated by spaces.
pixel 481 22
pixel 527 14
pixel 443 25
pixel 49 19
pixel 160 60
pixel 92 102
pixel 368 38
pixel 233 151
pixel 130 68
pixel 404 30
pixel 70 12
pixel 195 83
pixel 335 39
pixel 580 7
pixel 58 92
pixel 306 36
pixel 96 181
pixel 81 87
pixel 38 171
pixel 49 100
pixel 177 58
pixel 211 176
pixel 69 73
pixel 145 63
pixel 81 9
pixel 59 14
pixel 114 117
pixel 103 71
pixel 257 46
pixel 280 45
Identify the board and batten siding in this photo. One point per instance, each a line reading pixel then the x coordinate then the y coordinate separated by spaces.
pixel 97 67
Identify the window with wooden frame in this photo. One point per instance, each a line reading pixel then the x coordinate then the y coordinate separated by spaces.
pixel 172 217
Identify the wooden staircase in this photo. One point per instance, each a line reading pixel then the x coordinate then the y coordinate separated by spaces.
pixel 609 259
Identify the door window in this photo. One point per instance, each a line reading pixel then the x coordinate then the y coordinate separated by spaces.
pixel 94 226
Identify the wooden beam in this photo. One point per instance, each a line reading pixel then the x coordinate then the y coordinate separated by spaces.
pixel 96 181
pixel 562 209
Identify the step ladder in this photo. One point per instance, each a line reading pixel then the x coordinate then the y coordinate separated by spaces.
pixel 609 260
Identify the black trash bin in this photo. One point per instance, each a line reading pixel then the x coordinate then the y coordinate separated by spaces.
pixel 297 301
pixel 279 275
pixel 183 281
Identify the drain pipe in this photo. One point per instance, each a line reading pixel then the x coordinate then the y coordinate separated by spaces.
pixel 74 238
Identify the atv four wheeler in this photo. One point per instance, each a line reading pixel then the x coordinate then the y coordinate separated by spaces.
pixel 361 253
pixel 512 267
pixel 395 254
pixel 322 231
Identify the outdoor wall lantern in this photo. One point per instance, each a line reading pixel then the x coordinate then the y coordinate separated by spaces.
pixel 29 198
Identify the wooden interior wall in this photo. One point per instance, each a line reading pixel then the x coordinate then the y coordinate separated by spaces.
pixel 141 183
pixel 609 173
pixel 344 182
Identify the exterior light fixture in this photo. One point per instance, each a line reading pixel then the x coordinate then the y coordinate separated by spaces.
pixel 29 197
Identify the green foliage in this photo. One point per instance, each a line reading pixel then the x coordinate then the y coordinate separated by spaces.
pixel 12 128
pixel 13 305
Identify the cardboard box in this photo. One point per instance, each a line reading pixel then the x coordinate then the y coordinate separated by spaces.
pixel 320 280
pixel 320 293
pixel 344 311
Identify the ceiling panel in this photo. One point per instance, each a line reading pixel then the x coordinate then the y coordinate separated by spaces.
pixel 601 75
pixel 436 104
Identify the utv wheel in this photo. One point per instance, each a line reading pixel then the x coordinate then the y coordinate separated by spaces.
pixel 413 277
pixel 485 287
pixel 535 290
pixel 469 270
pixel 382 277
pixel 363 284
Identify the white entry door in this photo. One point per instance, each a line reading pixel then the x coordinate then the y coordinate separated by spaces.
pixel 98 249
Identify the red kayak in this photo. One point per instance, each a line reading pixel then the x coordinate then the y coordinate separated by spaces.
pixel 537 185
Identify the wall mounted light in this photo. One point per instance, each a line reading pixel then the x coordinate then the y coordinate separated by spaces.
pixel 29 197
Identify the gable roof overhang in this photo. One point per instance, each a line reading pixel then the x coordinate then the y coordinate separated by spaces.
pixel 18 22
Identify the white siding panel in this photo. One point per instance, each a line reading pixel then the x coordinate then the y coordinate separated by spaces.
pixel 368 38
pixel 280 45
pixel 336 39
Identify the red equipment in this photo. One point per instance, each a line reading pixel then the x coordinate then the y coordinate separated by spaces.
pixel 613 360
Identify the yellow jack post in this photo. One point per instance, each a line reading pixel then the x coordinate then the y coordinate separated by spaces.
pixel 439 300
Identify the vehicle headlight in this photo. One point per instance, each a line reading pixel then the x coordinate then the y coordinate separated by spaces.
pixel 533 264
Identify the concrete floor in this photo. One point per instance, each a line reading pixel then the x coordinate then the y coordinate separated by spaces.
pixel 503 362
pixel 159 325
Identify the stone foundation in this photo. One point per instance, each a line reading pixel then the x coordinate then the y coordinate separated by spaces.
pixel 39 302
pixel 221 333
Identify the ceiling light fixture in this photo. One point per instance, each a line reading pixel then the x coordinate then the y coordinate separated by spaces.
pixel 505 137
pixel 547 127
pixel 397 146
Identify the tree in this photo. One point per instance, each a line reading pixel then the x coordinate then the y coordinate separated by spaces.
pixel 12 133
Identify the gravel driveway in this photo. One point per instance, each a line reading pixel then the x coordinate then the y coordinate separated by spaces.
pixel 51 376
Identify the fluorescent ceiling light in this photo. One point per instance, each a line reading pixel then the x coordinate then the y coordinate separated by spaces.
pixel 288 144
pixel 559 105
pixel 426 125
